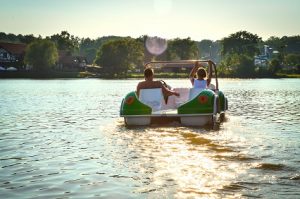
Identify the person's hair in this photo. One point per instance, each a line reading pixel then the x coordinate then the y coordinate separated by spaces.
pixel 148 72
pixel 201 72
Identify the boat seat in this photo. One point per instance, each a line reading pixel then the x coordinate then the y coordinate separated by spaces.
pixel 184 96
pixel 194 92
pixel 152 97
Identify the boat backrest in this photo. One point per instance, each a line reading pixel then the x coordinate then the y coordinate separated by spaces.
pixel 184 96
pixel 170 103
pixel 152 97
pixel 194 92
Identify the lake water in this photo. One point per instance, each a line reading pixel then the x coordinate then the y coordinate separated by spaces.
pixel 64 139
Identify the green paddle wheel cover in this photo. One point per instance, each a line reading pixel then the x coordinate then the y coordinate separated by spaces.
pixel 131 105
pixel 221 100
pixel 196 106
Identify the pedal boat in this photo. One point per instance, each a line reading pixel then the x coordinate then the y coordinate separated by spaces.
pixel 194 107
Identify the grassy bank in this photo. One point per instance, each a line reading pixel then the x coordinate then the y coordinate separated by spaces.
pixel 286 75
pixel 45 75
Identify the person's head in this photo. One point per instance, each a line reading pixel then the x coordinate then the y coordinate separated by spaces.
pixel 148 73
pixel 201 73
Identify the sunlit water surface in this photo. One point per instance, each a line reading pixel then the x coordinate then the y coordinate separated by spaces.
pixel 64 139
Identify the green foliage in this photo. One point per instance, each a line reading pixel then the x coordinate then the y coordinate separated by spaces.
pixel 292 59
pixel 182 49
pixel 224 67
pixel 209 49
pixel 205 45
pixel 241 42
pixel 275 42
pixel 177 49
pixel 290 45
pixel 287 46
pixel 65 41
pixel 41 54
pixel 237 49
pixel 12 38
pixel 244 66
pixel 237 65
pixel 88 47
pixel 274 66
pixel 119 56
pixel 27 39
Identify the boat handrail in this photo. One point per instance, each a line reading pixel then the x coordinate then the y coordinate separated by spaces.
pixel 211 65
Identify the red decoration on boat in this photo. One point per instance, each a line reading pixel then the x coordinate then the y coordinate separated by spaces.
pixel 129 100
pixel 202 99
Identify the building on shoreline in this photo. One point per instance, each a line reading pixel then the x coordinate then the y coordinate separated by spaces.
pixel 12 55
pixel 68 62
pixel 263 59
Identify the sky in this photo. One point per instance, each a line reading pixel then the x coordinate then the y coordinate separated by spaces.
pixel 197 19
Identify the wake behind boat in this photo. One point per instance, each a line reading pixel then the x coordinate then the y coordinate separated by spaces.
pixel 194 106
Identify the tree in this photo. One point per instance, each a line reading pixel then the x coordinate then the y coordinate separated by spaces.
pixel 241 42
pixel 274 42
pixel 292 59
pixel 147 55
pixel 65 41
pixel 290 44
pixel 182 49
pixel 245 66
pixel 27 39
pixel 274 66
pixel 88 47
pixel 238 66
pixel 119 56
pixel 209 49
pixel 204 47
pixel 41 54
pixel 12 38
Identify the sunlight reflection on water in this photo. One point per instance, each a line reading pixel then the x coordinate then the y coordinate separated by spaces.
pixel 64 138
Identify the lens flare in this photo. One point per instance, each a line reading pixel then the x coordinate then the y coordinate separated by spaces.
pixel 156 45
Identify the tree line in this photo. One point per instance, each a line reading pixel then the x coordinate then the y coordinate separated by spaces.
pixel 238 51
pixel 118 55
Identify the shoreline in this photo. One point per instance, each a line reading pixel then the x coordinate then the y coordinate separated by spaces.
pixel 80 75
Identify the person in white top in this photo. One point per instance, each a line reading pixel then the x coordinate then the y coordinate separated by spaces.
pixel 199 81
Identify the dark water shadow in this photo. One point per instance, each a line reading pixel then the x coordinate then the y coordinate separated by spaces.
pixel 271 167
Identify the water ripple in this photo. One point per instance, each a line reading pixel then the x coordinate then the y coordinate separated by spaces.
pixel 64 139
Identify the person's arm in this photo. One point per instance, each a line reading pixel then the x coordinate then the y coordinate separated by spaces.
pixel 138 88
pixel 167 91
pixel 193 72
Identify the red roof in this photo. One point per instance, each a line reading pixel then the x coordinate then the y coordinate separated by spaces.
pixel 13 48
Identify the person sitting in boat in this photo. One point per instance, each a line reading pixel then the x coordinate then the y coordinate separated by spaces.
pixel 150 83
pixel 200 81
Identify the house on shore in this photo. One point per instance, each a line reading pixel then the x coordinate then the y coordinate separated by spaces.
pixel 12 55
pixel 263 59
pixel 68 62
